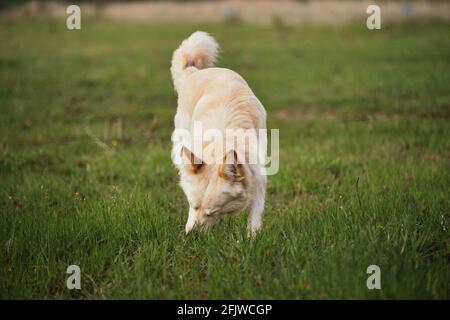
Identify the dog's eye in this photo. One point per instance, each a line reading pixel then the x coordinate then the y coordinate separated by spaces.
pixel 191 204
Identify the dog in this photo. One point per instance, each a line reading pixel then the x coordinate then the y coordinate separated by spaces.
pixel 225 182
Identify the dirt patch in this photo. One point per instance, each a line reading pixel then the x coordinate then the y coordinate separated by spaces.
pixel 294 115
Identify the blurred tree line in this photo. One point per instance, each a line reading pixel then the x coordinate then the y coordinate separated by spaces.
pixel 11 3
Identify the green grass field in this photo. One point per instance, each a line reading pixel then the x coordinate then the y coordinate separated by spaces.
pixel 86 177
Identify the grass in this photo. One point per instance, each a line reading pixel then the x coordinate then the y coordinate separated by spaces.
pixel 86 177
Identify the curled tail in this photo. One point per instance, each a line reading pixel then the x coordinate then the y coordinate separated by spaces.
pixel 199 51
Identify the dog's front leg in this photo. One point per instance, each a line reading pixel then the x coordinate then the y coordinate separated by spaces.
pixel 192 220
pixel 257 207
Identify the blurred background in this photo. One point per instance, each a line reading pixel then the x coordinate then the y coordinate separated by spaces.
pixel 289 11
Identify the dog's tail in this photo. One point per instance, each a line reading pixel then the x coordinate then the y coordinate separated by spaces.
pixel 199 51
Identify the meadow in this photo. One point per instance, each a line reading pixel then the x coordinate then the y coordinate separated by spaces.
pixel 86 178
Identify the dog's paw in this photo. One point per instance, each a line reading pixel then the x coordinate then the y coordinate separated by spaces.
pixel 253 230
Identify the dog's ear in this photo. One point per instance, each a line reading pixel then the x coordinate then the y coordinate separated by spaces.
pixel 193 162
pixel 231 169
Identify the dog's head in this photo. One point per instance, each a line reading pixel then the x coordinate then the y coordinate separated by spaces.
pixel 214 190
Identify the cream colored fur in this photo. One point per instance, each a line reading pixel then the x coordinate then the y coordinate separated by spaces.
pixel 217 98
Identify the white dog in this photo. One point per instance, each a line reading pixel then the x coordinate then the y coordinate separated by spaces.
pixel 216 98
